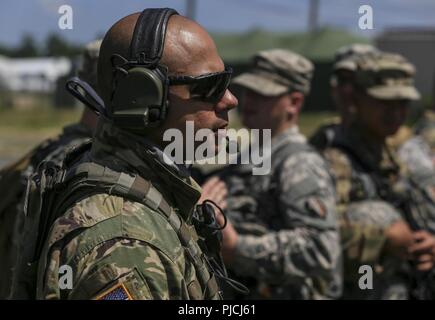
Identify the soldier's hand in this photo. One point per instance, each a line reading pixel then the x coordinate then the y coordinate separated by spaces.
pixel 399 239
pixel 423 250
pixel 214 189
pixel 229 238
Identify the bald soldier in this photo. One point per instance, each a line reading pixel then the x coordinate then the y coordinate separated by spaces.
pixel 125 226
pixel 13 178
pixel 283 238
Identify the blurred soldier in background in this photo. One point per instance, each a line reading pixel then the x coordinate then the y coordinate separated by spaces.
pixel 340 92
pixel 283 236
pixel 414 150
pixel 375 190
pixel 418 152
pixel 13 178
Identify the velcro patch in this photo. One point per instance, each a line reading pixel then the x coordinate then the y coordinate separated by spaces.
pixel 118 292
pixel 317 206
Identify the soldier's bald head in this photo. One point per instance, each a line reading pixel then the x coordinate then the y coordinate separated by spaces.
pixel 187 48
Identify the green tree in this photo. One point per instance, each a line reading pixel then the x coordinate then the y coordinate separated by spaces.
pixel 26 48
pixel 57 46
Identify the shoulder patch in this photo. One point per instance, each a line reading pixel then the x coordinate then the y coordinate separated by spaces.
pixel 117 292
pixel 316 206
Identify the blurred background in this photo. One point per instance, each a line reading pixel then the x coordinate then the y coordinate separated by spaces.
pixel 37 56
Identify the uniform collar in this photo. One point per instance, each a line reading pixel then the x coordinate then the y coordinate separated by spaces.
pixel 376 156
pixel 291 134
pixel 131 153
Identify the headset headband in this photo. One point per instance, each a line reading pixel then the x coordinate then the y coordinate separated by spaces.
pixel 149 36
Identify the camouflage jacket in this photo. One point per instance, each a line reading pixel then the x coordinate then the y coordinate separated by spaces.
pixel 13 181
pixel 289 241
pixel 416 154
pixel 371 176
pixel 366 171
pixel 425 128
pixel 120 249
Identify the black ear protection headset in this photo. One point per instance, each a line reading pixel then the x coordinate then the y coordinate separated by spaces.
pixel 140 83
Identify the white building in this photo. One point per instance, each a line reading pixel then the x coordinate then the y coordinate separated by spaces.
pixel 32 74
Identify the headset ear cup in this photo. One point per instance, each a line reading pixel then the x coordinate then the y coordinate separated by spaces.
pixel 154 115
pixel 138 99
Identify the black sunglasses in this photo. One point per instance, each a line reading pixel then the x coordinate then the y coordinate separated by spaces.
pixel 208 87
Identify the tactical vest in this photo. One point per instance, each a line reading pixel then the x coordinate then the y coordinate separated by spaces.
pixel 264 188
pixel 271 185
pixel 362 244
pixel 54 189
pixel 13 179
pixel 267 215
pixel 413 197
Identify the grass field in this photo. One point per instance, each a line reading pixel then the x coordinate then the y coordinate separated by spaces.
pixel 20 130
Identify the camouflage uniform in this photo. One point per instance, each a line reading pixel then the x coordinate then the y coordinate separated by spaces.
pixel 13 178
pixel 362 236
pixel 122 249
pixel 363 213
pixel 289 243
pixel 418 152
pixel 374 188
pixel 116 248
pixel 425 127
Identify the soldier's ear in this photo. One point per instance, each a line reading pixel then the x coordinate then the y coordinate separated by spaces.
pixel 296 101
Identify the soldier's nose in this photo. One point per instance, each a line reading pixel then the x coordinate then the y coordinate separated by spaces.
pixel 228 102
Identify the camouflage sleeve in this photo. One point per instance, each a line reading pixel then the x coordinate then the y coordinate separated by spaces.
pixel 415 153
pixel 308 243
pixel 107 248
pixel 128 268
pixel 118 269
pixel 373 212
pixel 241 207
pixel 363 232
